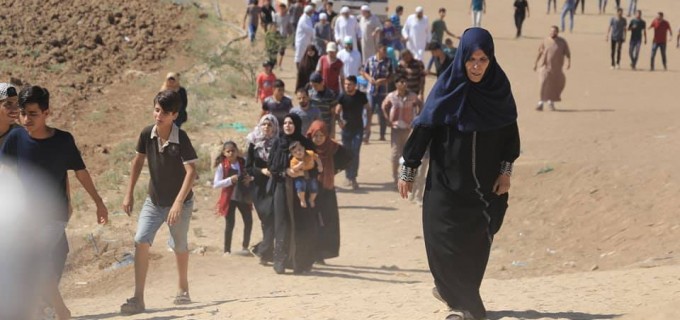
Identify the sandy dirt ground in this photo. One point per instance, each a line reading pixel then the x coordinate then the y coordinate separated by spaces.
pixel 592 231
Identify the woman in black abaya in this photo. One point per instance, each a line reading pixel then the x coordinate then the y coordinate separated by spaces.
pixel 334 158
pixel 260 142
pixel 294 226
pixel 470 123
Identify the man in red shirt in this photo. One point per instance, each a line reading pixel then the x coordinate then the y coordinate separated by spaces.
pixel 330 68
pixel 660 27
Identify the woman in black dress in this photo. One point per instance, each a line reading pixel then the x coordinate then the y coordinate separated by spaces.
pixel 260 142
pixel 470 123
pixel 307 66
pixel 294 226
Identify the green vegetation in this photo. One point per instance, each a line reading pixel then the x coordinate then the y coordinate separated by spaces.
pixel 56 67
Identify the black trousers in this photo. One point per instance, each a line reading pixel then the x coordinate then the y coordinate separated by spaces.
pixel 247 215
pixel 519 21
pixel 616 52
pixel 583 6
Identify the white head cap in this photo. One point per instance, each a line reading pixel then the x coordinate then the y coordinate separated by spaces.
pixel 419 9
pixel 348 40
pixel 365 8
pixel 323 16
pixel 309 9
pixel 344 10
pixel 331 47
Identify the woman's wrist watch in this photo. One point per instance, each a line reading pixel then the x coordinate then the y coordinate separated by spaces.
pixel 506 168
pixel 407 174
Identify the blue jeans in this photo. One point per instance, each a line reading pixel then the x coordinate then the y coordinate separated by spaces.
pixel 554 3
pixel 602 5
pixel 306 185
pixel 352 141
pixel 632 7
pixel 252 30
pixel 568 10
pixel 376 105
pixel 583 6
pixel 634 52
pixel 662 47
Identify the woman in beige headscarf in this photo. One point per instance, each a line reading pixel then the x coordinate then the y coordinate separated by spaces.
pixel 172 83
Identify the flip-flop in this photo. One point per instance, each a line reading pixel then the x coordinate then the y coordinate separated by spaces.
pixel 131 306
pixel 182 298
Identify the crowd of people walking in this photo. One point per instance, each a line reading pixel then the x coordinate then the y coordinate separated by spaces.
pixel 463 139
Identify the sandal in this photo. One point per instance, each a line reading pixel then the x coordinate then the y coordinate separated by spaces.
pixel 131 306
pixel 182 298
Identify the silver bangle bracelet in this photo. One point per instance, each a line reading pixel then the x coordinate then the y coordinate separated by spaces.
pixel 506 168
pixel 408 174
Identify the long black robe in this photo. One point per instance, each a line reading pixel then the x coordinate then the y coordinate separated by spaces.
pixel 328 244
pixel 295 227
pixel 263 200
pixel 461 214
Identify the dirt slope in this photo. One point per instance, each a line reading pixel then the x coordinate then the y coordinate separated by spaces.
pixel 606 201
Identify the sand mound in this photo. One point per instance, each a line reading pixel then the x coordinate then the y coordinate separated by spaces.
pixel 93 39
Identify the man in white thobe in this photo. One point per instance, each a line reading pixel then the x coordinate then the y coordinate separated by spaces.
pixel 346 25
pixel 370 26
pixel 417 33
pixel 350 57
pixel 304 34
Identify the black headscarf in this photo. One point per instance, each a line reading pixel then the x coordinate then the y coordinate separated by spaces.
pixel 279 157
pixel 455 100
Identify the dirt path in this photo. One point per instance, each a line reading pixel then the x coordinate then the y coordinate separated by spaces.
pixel 574 241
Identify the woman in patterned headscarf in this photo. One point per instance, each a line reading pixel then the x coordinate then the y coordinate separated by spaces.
pixel 260 142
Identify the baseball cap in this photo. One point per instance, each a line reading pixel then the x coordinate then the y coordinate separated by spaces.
pixel 419 9
pixel 7 90
pixel 316 78
pixel 331 46
pixel 365 8
pixel 348 40
pixel 344 10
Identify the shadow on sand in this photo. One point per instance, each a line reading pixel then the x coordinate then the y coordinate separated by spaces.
pixel 368 187
pixel 192 306
pixel 583 110
pixel 532 314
